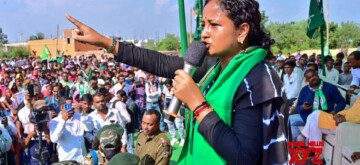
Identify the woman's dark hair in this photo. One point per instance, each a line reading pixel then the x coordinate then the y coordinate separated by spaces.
pixel 240 11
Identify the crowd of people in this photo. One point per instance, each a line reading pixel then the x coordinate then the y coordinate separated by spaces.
pixel 87 109
pixel 81 95
pixel 314 98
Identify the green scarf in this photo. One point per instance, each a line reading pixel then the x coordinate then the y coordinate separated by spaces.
pixel 196 149
pixel 319 98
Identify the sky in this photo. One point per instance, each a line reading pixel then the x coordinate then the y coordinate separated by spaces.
pixel 139 19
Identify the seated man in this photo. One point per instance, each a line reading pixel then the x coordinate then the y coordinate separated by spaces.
pixel 317 95
pixel 320 122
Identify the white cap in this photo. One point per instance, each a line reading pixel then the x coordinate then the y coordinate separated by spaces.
pixel 280 58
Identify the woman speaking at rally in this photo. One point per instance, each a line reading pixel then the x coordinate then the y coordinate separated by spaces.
pixel 240 110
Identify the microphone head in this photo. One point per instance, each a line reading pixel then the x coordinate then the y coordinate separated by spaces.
pixel 195 53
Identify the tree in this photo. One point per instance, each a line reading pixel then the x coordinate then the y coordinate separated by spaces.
pixel 16 52
pixel 3 37
pixel 152 45
pixel 264 19
pixel 169 43
pixel 291 36
pixel 346 35
pixel 38 36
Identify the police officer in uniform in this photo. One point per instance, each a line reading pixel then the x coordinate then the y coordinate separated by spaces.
pixel 110 144
pixel 153 146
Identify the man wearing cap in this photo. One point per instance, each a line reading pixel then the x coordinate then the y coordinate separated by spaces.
pixel 280 61
pixel 153 146
pixel 110 144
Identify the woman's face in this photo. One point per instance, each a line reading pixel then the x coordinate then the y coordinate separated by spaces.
pixel 219 33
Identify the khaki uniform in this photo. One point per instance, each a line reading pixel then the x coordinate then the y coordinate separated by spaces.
pixel 153 150
pixel 89 160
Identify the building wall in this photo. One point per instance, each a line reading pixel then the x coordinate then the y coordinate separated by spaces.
pixel 37 46
pixel 66 44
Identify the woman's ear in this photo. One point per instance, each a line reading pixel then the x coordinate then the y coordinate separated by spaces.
pixel 244 29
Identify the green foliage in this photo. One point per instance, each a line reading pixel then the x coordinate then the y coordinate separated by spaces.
pixel 3 37
pixel 169 43
pixel 17 52
pixel 152 45
pixel 38 36
pixel 347 35
pixel 291 36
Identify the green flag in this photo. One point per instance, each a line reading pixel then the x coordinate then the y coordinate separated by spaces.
pixel 198 9
pixel 89 75
pixel 327 50
pixel 45 53
pixel 60 59
pixel 316 17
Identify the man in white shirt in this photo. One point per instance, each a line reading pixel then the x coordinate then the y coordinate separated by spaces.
pixel 153 94
pixel 292 82
pixel 67 130
pixel 117 103
pixel 354 62
pixel 81 85
pixel 104 116
pixel 332 75
pixel 120 84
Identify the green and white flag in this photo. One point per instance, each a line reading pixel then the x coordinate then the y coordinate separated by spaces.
pixel 61 58
pixel 45 53
pixel 316 17
pixel 327 50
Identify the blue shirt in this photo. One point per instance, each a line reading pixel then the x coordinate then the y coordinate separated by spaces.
pixel 50 100
pixel 333 98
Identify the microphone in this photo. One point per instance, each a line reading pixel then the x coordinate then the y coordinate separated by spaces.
pixel 194 57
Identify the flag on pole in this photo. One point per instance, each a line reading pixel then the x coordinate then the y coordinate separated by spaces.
pixel 316 21
pixel 60 59
pixel 45 53
pixel 198 9
pixel 327 50
pixel 316 17
pixel 89 75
